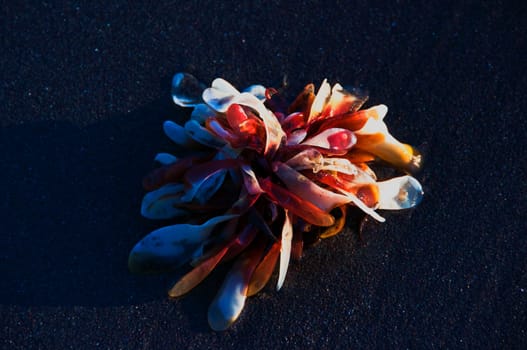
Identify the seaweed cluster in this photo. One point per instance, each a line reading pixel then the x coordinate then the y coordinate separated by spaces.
pixel 260 176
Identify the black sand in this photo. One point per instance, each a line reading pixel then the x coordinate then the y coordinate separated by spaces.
pixel 85 88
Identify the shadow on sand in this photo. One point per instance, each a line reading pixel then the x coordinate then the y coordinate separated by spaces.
pixel 70 209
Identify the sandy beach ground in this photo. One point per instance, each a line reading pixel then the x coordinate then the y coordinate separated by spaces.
pixel 86 86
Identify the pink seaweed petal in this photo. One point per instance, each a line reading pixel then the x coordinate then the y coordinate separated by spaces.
pixel 297 205
pixel 334 139
pixel 308 190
